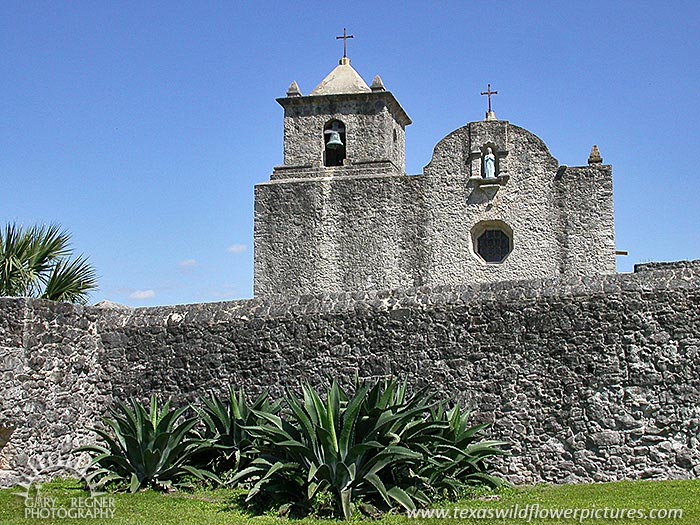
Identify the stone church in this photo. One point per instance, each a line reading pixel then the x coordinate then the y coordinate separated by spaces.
pixel 493 204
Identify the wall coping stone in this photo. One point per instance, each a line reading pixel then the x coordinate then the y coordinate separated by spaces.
pixel 655 266
pixel 647 278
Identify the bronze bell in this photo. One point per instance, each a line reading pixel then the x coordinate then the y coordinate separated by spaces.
pixel 334 141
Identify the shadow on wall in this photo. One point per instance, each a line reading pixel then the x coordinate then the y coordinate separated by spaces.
pixel 5 434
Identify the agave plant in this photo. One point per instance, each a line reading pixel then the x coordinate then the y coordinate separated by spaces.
pixel 146 447
pixel 455 455
pixel 345 446
pixel 225 427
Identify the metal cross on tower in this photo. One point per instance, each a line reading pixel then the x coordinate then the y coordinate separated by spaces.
pixel 345 41
pixel 488 93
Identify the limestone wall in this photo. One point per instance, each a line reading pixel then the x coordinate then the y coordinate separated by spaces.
pixel 52 385
pixel 332 235
pixel 595 378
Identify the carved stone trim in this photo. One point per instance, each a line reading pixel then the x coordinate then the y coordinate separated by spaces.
pixel 480 182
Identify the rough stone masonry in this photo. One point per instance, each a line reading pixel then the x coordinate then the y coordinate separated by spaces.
pixel 591 378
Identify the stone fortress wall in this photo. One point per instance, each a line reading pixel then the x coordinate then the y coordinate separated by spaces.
pixel 591 378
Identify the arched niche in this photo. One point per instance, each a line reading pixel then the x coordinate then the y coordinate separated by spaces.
pixel 497 158
pixel 334 143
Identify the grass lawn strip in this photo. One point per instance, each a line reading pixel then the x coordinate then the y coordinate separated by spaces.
pixel 222 506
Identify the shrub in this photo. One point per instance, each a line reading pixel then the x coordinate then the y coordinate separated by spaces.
pixel 225 426
pixel 146 448
pixel 454 454
pixel 379 446
pixel 377 449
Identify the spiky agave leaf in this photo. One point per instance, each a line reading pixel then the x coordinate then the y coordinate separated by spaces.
pixel 337 444
pixel 455 453
pixel 225 425
pixel 379 445
pixel 147 447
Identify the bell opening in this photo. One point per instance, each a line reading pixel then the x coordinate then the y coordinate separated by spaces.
pixel 334 141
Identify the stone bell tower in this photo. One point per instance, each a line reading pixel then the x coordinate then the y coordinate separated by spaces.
pixel 342 139
pixel 342 127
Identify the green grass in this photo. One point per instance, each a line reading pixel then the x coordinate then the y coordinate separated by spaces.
pixel 222 506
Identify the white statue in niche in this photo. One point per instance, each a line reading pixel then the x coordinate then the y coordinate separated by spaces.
pixel 489 164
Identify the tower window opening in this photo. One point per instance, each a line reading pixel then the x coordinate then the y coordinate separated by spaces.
pixel 334 140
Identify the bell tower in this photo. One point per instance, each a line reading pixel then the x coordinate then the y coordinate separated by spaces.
pixel 343 127
pixel 324 219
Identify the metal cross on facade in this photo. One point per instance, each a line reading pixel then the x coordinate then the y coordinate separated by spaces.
pixel 488 93
pixel 345 41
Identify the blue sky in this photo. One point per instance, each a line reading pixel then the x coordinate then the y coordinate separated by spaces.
pixel 142 127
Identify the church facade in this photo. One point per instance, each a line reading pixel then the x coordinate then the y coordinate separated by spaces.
pixel 492 205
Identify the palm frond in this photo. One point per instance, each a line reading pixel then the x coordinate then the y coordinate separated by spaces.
pixel 35 262
pixel 70 281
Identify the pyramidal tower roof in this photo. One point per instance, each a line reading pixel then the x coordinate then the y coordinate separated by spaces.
pixel 343 79
pixel 342 82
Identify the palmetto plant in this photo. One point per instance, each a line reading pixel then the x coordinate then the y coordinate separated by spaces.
pixel 35 262
pixel 146 447
pixel 225 426
pixel 350 447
